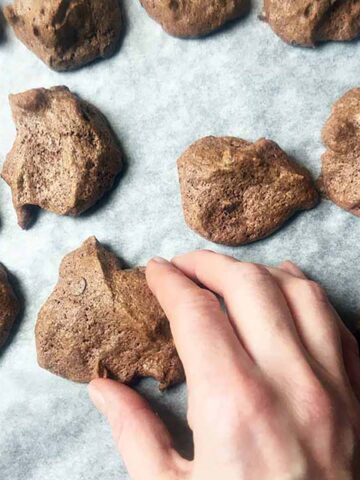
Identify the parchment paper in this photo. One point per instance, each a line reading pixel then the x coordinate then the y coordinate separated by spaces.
pixel 161 94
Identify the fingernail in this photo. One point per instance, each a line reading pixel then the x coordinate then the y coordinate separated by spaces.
pixel 159 260
pixel 97 398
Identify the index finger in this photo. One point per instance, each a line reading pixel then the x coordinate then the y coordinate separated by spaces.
pixel 206 342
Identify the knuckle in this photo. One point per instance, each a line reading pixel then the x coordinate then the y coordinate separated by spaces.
pixel 314 290
pixel 240 404
pixel 249 270
pixel 245 400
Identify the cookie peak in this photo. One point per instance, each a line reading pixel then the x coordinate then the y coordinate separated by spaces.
pixel 65 156
pixel 193 18
pixel 67 34
pixel 340 171
pixel 300 22
pixel 235 192
pixel 101 320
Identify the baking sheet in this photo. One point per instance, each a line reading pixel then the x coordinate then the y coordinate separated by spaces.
pixel 160 94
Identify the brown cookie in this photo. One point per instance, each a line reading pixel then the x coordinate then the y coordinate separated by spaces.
pixel 235 192
pixel 304 22
pixel 65 156
pixel 67 34
pixel 192 18
pixel 9 306
pixel 104 321
pixel 340 175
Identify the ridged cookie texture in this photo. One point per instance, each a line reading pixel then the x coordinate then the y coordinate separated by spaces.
pixel 65 156
pixel 104 321
pixel 306 23
pixel 9 306
pixel 67 34
pixel 192 18
pixel 235 192
pixel 340 175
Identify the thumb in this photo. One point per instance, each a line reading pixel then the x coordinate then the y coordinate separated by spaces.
pixel 140 436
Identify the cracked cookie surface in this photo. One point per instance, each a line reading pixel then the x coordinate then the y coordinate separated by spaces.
pixel 340 174
pixel 192 18
pixel 65 156
pixel 235 192
pixel 104 321
pixel 306 23
pixel 67 34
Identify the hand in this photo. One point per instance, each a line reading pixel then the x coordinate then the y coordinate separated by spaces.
pixel 274 383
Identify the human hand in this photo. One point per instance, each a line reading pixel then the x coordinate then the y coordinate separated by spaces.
pixel 274 383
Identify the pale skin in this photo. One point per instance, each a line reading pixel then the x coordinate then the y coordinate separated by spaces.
pixel 273 383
